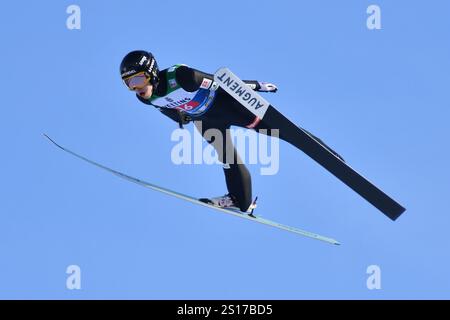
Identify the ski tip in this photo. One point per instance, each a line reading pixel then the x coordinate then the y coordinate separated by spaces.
pixel 51 140
pixel 48 138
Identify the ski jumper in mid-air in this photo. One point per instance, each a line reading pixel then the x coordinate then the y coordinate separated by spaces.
pixel 185 94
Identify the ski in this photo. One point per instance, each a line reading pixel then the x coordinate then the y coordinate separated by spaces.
pixel 196 201
pixel 308 143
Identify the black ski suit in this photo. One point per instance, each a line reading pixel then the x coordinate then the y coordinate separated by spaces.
pixel 225 112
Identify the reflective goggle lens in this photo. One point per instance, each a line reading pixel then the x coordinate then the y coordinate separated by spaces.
pixel 137 81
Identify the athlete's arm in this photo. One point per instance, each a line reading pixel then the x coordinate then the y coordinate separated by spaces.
pixel 191 80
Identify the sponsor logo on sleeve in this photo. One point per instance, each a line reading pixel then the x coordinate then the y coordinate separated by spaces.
pixel 172 83
pixel 214 86
pixel 206 83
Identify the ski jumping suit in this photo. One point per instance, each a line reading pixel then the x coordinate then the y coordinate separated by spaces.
pixel 184 94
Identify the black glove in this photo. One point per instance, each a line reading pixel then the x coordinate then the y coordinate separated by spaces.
pixel 184 118
pixel 267 87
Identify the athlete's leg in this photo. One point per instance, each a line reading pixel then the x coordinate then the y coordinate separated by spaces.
pixel 288 131
pixel 237 176
pixel 235 114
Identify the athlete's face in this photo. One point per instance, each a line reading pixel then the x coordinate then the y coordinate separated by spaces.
pixel 145 92
pixel 140 83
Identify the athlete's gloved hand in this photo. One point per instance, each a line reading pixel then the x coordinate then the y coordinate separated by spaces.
pixel 267 87
pixel 184 118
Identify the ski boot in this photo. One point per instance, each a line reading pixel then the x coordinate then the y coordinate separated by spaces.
pixel 228 202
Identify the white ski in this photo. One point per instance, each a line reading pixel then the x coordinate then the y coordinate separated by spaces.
pixel 196 201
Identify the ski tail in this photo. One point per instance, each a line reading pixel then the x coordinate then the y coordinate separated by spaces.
pixel 309 144
pixel 332 163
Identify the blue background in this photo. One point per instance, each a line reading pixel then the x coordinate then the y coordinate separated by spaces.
pixel 378 97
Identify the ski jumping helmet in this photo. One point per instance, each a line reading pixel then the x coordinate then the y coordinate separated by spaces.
pixel 139 62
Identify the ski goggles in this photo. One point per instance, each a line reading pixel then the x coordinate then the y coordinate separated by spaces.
pixel 137 81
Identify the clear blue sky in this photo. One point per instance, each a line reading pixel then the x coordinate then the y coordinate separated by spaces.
pixel 378 97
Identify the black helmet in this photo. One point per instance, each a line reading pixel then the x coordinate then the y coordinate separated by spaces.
pixel 140 61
